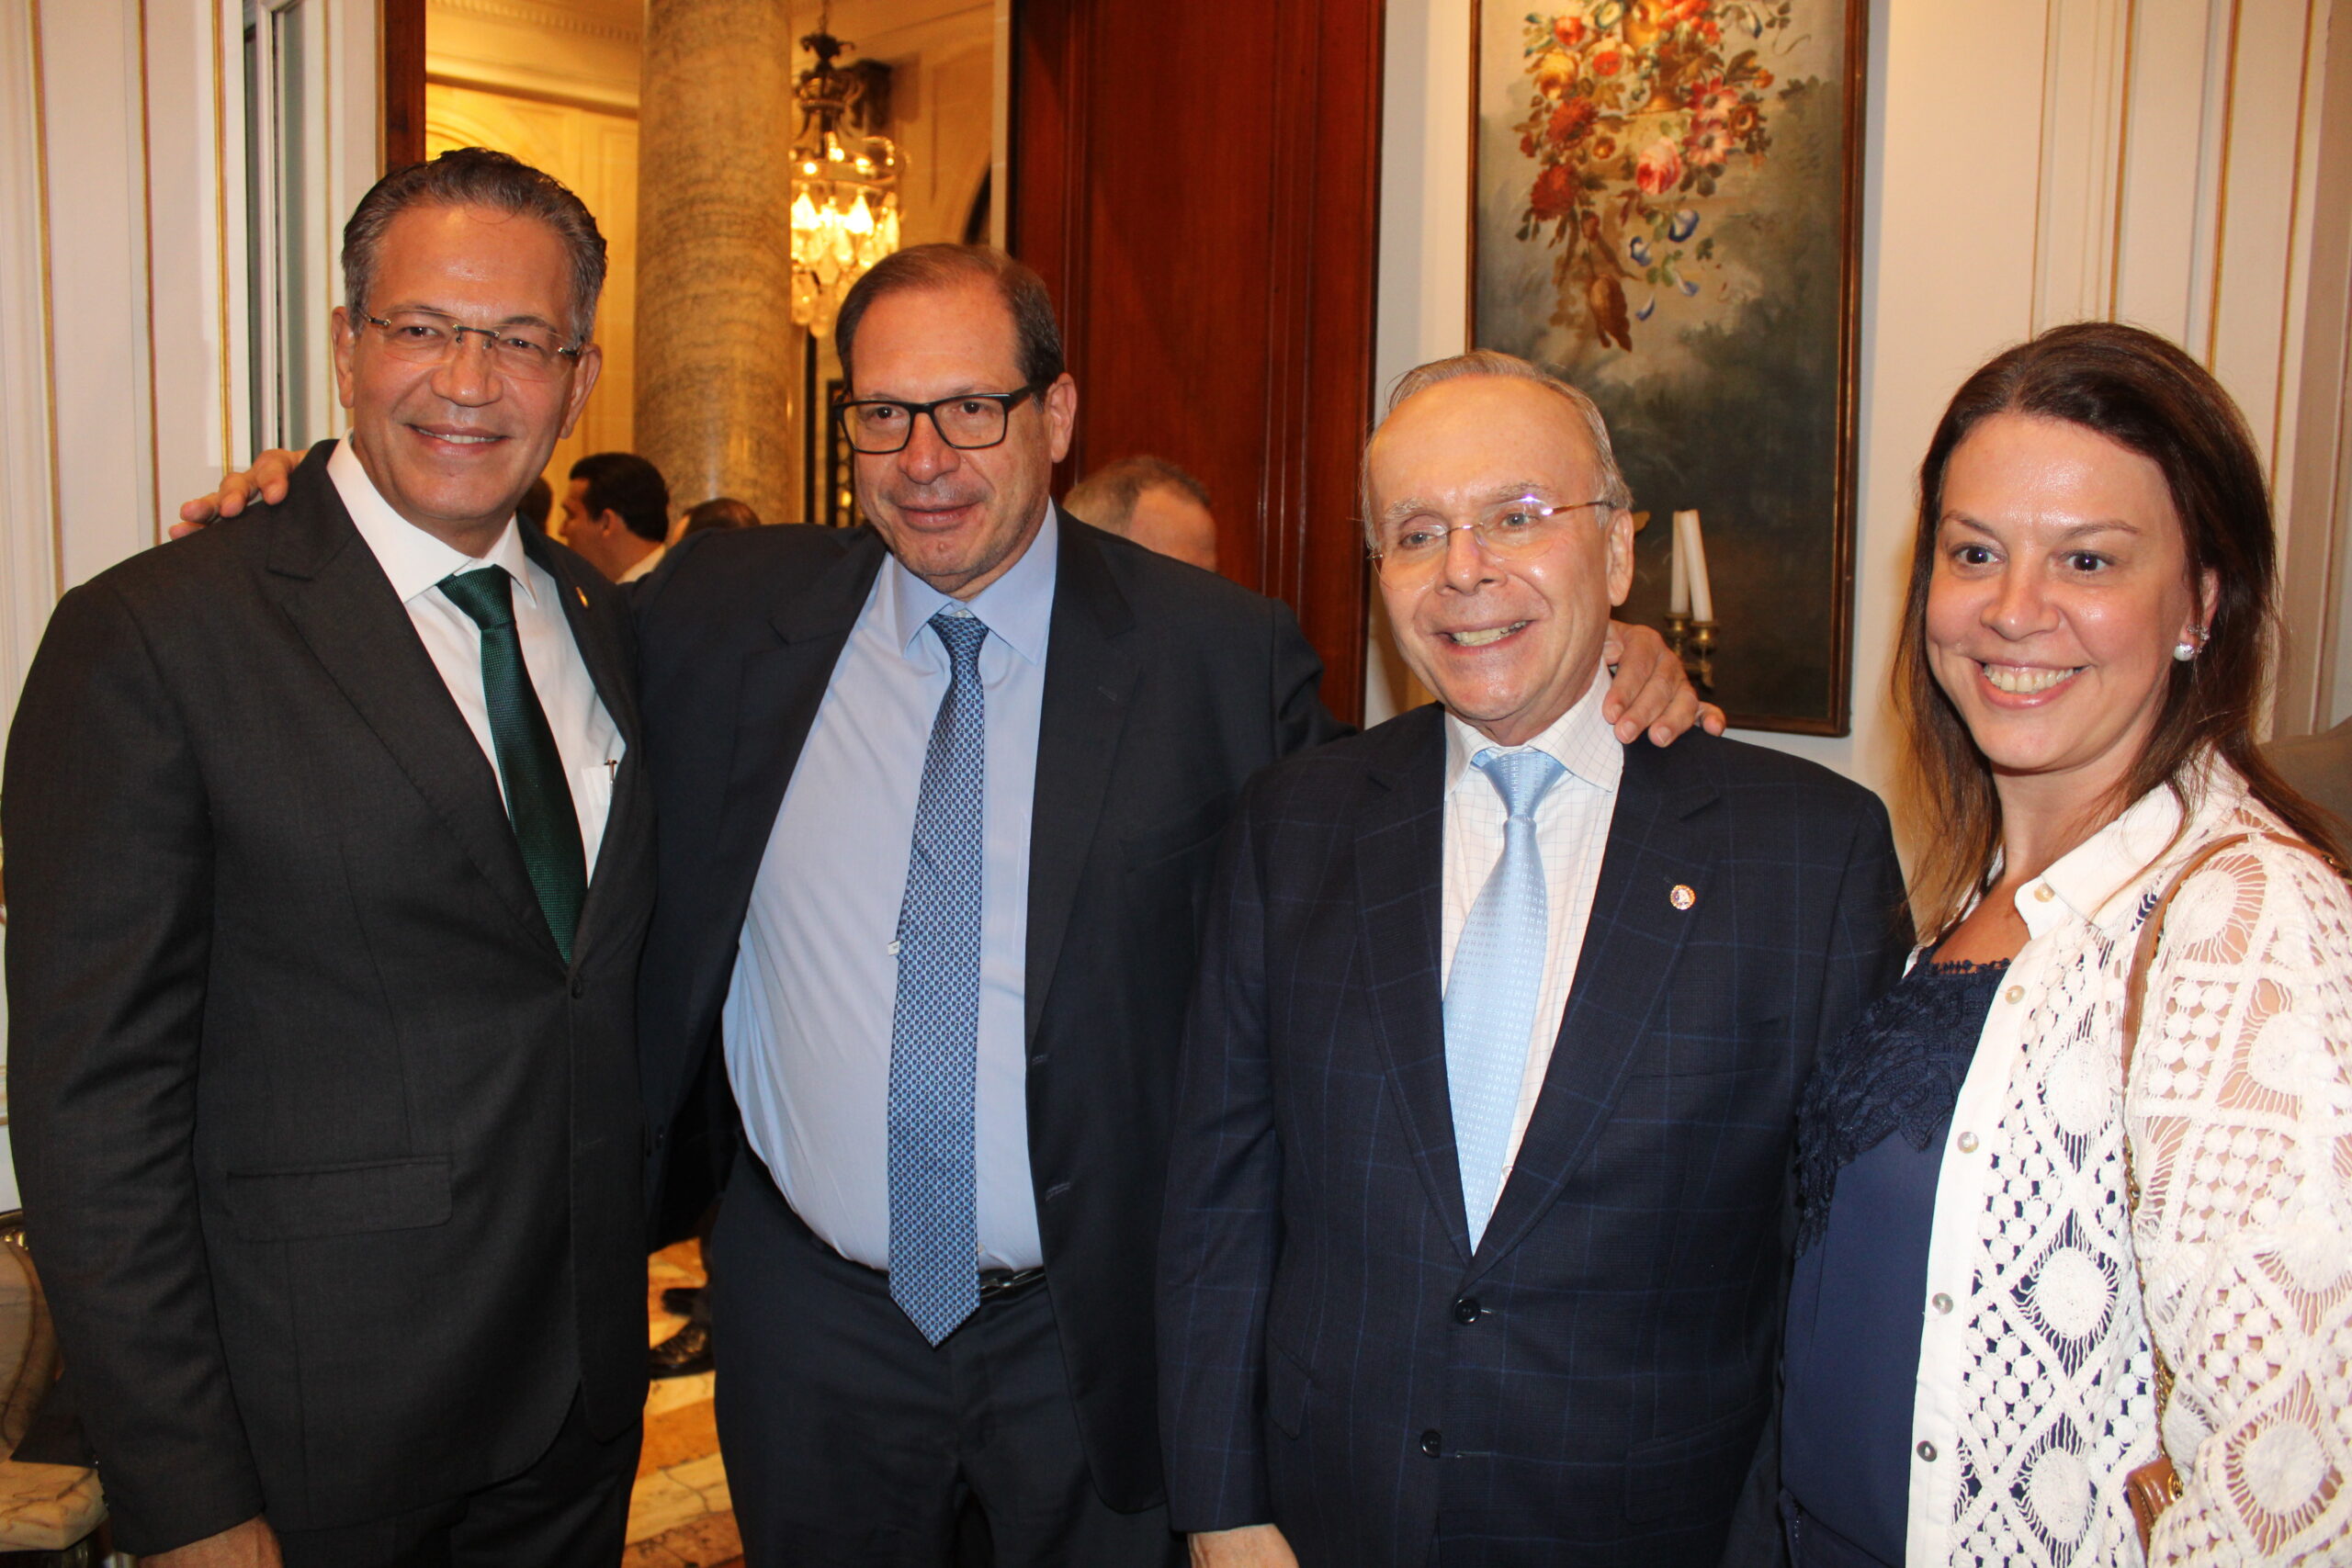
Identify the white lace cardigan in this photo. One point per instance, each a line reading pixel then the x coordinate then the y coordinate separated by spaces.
pixel 2034 1395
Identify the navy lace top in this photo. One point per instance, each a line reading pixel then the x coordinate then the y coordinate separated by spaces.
pixel 1870 1143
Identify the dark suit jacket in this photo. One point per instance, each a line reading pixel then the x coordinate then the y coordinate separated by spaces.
pixel 1590 1386
pixel 1166 687
pixel 331 1164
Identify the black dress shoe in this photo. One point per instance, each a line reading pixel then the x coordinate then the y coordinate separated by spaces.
pixel 682 1354
pixel 681 1301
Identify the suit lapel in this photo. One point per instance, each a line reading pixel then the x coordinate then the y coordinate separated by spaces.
pixel 1090 669
pixel 328 582
pixel 1400 867
pixel 781 685
pixel 1660 835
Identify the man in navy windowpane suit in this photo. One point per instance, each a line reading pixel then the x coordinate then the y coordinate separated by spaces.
pixel 1474 1246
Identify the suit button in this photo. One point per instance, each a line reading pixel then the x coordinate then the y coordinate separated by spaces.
pixel 1431 1444
pixel 1466 1310
pixel 578 986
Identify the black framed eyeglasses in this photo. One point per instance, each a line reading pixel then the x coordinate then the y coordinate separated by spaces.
pixel 967 421
pixel 423 337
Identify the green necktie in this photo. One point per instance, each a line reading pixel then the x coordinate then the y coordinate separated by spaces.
pixel 538 800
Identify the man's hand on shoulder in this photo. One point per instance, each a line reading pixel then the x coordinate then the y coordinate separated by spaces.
pixel 249 1545
pixel 1650 691
pixel 1251 1546
pixel 264 481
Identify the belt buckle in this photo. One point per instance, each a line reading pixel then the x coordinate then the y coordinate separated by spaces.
pixel 998 1283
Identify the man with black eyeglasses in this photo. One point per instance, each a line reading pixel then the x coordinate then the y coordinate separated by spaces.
pixel 940 802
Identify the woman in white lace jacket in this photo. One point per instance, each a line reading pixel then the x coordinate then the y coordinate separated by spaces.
pixel 2087 634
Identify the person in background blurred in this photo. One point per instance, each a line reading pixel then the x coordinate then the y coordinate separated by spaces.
pixel 1152 501
pixel 1970 1378
pixel 618 513
pixel 720 511
pixel 536 503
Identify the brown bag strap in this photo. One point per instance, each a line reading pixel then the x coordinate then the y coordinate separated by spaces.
pixel 2135 996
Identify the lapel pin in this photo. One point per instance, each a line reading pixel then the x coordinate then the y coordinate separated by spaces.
pixel 583 594
pixel 1681 897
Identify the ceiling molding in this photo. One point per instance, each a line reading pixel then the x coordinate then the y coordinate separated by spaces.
pixel 555 18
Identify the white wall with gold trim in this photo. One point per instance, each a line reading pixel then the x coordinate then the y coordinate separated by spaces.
pixel 2186 164
pixel 124 274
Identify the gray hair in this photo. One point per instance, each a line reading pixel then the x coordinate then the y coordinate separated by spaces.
pixel 1107 497
pixel 476 176
pixel 1494 362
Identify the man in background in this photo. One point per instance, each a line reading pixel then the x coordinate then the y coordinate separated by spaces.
pixel 616 513
pixel 720 511
pixel 1152 501
pixel 329 862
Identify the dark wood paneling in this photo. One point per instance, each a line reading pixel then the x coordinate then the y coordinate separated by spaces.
pixel 403 23
pixel 1199 184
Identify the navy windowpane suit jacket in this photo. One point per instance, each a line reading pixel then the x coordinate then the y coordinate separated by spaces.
pixel 1593 1385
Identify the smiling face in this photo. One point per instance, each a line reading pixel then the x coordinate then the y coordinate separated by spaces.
pixel 1509 644
pixel 452 446
pixel 957 519
pixel 2059 589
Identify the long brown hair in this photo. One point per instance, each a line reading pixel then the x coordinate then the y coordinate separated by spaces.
pixel 2143 393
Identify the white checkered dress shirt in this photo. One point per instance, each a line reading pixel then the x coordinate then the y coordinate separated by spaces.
pixel 1571 830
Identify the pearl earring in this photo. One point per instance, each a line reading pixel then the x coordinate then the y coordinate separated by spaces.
pixel 2183 651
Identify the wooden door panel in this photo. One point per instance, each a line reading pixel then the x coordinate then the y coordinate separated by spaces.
pixel 1198 184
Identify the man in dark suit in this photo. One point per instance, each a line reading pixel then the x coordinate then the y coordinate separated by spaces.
pixel 1474 1244
pixel 329 869
pixel 938 807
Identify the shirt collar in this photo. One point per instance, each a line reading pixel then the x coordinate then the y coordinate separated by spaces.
pixel 645 564
pixel 413 559
pixel 1017 607
pixel 2085 881
pixel 1578 741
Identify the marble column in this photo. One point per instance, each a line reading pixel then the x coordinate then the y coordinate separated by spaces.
pixel 717 357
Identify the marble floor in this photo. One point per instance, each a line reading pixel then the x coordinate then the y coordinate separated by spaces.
pixel 679 1515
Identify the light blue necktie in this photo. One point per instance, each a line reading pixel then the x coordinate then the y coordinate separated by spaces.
pixel 1498 975
pixel 935 1027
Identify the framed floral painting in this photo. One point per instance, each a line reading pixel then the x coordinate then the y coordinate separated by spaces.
pixel 1667 213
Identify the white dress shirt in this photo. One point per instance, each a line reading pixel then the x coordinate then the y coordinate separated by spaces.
pixel 586 735
pixel 644 565
pixel 807 1027
pixel 1571 833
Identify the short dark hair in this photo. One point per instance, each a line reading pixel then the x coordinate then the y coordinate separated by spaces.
pixel 720 512
pixel 1107 497
pixel 924 267
pixel 476 176
pixel 536 503
pixel 626 483
pixel 2146 395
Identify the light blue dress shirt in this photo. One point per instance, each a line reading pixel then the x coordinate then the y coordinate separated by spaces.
pixel 807 1019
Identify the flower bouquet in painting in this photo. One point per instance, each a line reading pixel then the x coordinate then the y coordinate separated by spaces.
pixel 1637 109
pixel 1665 213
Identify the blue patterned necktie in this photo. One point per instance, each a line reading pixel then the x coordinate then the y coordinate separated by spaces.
pixel 935 1028
pixel 1498 977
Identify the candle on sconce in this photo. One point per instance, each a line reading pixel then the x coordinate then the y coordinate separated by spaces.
pixel 1694 565
pixel 1677 580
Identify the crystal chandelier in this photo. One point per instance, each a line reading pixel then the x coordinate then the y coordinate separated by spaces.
pixel 845 183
